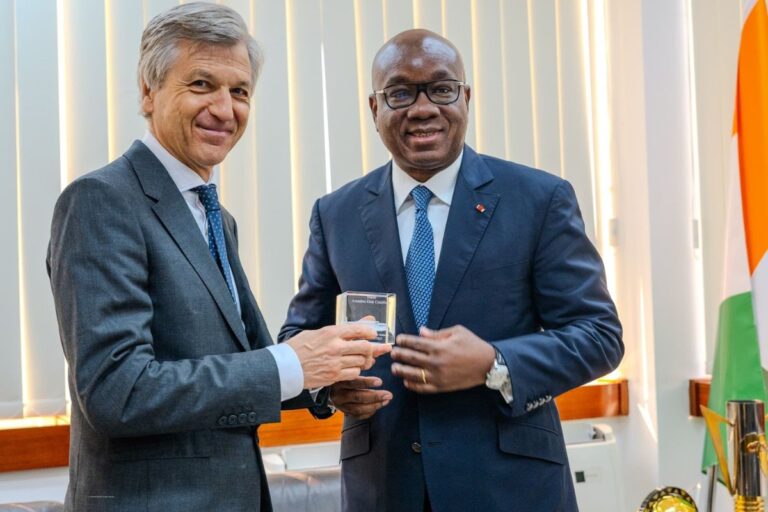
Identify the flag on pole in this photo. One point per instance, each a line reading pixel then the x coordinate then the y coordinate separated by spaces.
pixel 742 335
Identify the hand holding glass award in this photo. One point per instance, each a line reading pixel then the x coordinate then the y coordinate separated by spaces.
pixel 374 309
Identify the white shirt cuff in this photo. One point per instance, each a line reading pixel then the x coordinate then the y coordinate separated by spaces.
pixel 289 370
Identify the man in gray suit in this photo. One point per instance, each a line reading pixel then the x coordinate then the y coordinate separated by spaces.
pixel 172 368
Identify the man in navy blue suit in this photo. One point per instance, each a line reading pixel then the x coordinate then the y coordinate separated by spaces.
pixel 501 305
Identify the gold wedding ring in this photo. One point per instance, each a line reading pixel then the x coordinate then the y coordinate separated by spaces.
pixel 423 376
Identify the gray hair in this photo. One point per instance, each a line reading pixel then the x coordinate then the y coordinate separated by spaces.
pixel 198 22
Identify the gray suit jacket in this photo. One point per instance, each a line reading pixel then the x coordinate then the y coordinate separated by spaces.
pixel 168 382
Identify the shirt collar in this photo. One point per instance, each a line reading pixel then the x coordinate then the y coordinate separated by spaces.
pixel 441 184
pixel 184 177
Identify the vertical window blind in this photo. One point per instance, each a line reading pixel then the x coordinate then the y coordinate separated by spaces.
pixel 69 103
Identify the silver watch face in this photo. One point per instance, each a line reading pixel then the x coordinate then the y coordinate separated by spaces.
pixel 495 378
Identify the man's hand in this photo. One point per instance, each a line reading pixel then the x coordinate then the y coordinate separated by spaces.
pixel 439 361
pixel 356 398
pixel 336 352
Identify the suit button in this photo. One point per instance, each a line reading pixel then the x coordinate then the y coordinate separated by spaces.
pixel 252 417
pixel 416 447
pixel 232 419
pixel 242 419
pixel 222 421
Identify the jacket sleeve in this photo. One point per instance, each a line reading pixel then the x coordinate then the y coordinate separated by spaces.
pixel 99 266
pixel 580 338
pixel 314 305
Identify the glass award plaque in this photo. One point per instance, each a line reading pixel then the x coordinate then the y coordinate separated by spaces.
pixel 374 309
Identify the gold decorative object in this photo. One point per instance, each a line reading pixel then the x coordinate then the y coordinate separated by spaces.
pixel 748 451
pixel 668 499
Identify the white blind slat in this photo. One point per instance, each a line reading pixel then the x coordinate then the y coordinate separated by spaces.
pixel 86 86
pixel 489 86
pixel 154 7
pixel 125 22
pixel 10 357
pixel 306 111
pixel 543 29
pixel 39 187
pixel 243 8
pixel 518 99
pixel 398 16
pixel 369 34
pixel 12 408
pixel 343 102
pixel 459 32
pixel 275 281
pixel 428 14
pixel 575 127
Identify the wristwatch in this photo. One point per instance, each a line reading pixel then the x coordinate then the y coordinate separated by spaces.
pixel 498 378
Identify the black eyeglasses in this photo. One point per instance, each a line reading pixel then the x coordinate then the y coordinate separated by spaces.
pixel 439 92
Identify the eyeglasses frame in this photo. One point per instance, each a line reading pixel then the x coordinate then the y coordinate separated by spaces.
pixel 422 87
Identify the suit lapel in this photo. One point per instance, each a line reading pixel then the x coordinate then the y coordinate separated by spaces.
pixel 174 214
pixel 380 224
pixel 463 231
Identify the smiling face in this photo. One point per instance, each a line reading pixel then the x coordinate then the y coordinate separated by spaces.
pixel 423 138
pixel 201 109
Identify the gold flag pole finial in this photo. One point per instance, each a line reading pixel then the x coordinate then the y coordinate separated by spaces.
pixel 764 451
pixel 713 421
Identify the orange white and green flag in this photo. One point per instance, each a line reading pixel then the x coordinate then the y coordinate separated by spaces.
pixel 738 372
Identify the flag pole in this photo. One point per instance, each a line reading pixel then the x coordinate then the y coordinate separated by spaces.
pixel 712 474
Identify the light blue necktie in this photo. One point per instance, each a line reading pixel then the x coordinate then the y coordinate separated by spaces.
pixel 216 243
pixel 420 262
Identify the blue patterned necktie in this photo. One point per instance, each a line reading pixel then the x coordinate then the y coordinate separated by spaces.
pixel 216 243
pixel 420 262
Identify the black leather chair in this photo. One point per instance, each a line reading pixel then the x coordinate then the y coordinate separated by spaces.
pixel 317 490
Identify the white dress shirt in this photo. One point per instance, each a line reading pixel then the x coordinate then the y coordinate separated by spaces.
pixel 288 364
pixel 441 185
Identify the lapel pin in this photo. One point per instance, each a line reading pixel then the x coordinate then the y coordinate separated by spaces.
pixel 480 208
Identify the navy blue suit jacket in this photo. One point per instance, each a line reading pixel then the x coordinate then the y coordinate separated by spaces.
pixel 523 276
